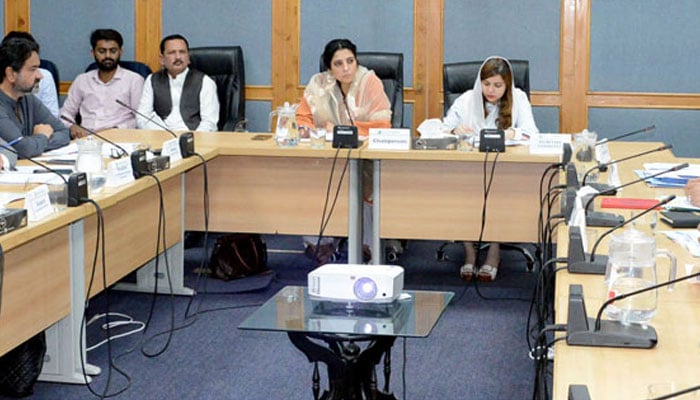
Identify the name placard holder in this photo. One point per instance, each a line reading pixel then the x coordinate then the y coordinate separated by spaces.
pixel 38 204
pixel 172 148
pixel 389 139
pixel 548 143
pixel 119 172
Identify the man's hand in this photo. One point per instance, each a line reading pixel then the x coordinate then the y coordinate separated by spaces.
pixel 43 129
pixel 77 132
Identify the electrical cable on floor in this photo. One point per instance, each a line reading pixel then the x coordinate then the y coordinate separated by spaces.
pixel 128 320
pixel 325 219
pixel 100 245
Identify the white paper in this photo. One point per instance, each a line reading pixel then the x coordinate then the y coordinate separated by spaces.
pixel 38 204
pixel 430 128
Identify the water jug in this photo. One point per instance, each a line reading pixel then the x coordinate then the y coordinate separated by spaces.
pixel 91 162
pixel 632 266
pixel 286 132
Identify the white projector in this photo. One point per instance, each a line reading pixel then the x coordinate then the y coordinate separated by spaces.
pixel 356 282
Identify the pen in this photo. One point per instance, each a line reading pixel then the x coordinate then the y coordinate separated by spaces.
pixel 14 141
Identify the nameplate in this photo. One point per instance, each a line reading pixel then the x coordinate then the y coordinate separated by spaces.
pixel 548 143
pixel 602 152
pixel 172 148
pixel 38 204
pixel 119 172
pixel 389 139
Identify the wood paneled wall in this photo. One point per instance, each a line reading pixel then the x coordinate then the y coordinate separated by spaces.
pixel 573 98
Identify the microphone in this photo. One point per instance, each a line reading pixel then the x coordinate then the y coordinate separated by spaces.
pixel 581 263
pixel 186 139
pixel 608 333
pixel 602 219
pixel 568 199
pixel 77 182
pixel 604 166
pixel 678 393
pixel 624 135
pixel 578 392
pixel 90 131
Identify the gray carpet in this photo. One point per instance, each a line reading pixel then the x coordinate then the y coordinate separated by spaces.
pixel 478 349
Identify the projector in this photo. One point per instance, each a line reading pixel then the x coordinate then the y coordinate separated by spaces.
pixel 356 282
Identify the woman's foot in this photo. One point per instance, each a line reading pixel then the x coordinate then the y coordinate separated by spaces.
pixel 487 273
pixel 467 272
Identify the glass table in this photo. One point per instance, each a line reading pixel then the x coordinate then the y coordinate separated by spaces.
pixel 350 338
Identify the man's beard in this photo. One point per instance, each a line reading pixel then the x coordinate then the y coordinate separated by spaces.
pixel 103 66
pixel 28 89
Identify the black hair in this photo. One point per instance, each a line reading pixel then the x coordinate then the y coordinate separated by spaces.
pixel 335 45
pixel 106 34
pixel 14 53
pixel 19 35
pixel 173 37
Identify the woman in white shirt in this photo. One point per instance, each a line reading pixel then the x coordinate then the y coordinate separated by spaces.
pixel 493 103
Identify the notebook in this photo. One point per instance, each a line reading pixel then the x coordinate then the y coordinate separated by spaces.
pixel 680 219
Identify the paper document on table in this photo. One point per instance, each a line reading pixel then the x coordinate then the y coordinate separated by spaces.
pixel 686 238
pixel 61 151
pixel 8 197
pixel 681 203
pixel 663 181
pixel 24 177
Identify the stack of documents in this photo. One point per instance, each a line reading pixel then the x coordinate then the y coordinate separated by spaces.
pixel 676 179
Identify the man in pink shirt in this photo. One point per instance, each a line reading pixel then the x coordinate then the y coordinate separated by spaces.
pixel 93 94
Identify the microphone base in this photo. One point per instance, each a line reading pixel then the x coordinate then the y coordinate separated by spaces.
pixel 603 189
pixel 77 189
pixel 11 219
pixel 614 334
pixel 595 267
pixel 187 144
pixel 605 220
pixel 142 166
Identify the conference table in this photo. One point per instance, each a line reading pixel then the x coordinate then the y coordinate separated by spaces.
pixel 615 373
pixel 254 186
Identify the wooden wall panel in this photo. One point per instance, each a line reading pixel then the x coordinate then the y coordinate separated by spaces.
pixel 573 97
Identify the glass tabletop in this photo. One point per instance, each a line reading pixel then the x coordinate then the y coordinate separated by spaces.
pixel 414 314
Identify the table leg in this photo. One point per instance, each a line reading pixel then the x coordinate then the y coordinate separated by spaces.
pixel 350 368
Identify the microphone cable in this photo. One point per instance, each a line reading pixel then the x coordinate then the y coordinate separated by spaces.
pixel 100 250
pixel 487 182
pixel 328 212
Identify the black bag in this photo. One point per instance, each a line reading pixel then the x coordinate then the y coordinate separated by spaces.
pixel 20 368
pixel 237 255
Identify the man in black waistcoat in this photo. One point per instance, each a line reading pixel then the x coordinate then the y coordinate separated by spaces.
pixel 177 96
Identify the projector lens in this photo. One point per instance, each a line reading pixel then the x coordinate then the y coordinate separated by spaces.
pixel 365 289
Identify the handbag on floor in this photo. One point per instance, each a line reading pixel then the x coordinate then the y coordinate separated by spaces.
pixel 237 255
pixel 21 366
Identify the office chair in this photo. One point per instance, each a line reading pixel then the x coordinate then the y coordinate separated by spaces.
pixel 224 64
pixel 389 69
pixel 135 66
pixel 53 69
pixel 459 77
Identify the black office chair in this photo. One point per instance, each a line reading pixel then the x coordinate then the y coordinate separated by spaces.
pixel 459 77
pixel 224 64
pixel 135 66
pixel 389 68
pixel 53 69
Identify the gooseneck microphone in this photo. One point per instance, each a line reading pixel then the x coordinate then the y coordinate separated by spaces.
pixel 604 166
pixel 602 219
pixel 344 136
pixel 77 182
pixel 608 333
pixel 581 263
pixel 122 151
pixel 186 139
pixel 624 135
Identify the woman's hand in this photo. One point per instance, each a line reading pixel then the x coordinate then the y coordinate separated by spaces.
pixel 510 134
pixel 328 126
pixel 461 129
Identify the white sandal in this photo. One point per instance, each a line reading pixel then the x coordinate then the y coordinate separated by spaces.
pixel 467 272
pixel 487 273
